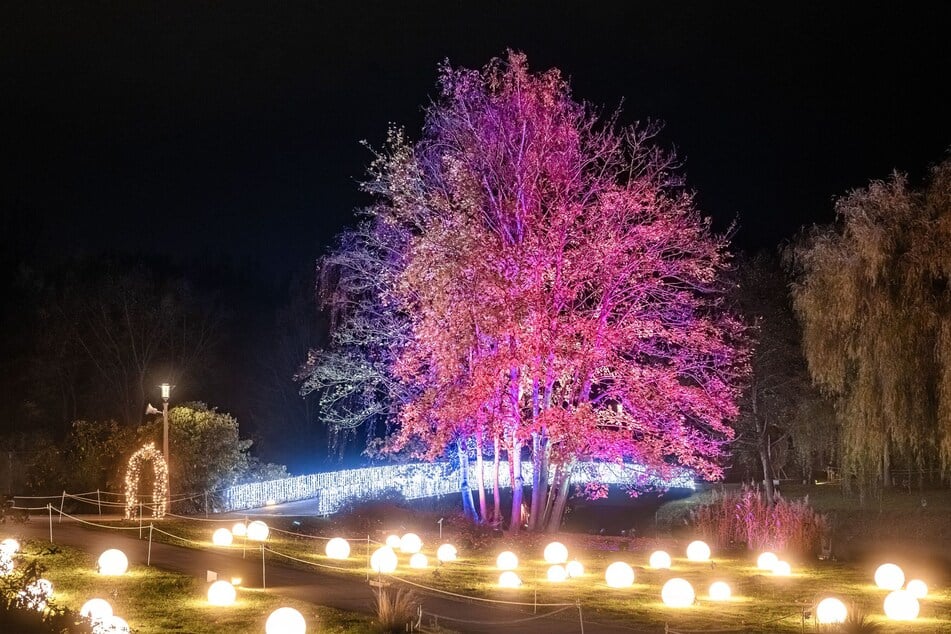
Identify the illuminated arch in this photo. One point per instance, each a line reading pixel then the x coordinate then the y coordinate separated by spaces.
pixel 159 492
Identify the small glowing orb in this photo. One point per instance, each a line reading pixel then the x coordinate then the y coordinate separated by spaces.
pixel 418 560
pixel 766 561
pixel 446 552
pixel 556 553
pixel 557 573
pixel 113 562
pixel 889 577
pixel 506 561
pixel 574 568
pixel 236 581
pixel 10 546
pixel 720 591
pixel 698 551
pixel 112 625
pixel 239 530
pixel 383 560
pixel 917 588
pixel 393 541
pixel 411 543
pixel 337 548
pixel 96 609
pixel 285 621
pixel 221 593
pixel 258 531
pixel 509 579
pixel 677 593
pixel 222 537
pixel 900 605
pixel 660 559
pixel 619 575
pixel 782 569
pixel 831 610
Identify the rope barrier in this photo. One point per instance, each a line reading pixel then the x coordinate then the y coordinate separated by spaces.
pixel 82 521
pixel 471 598
pixel 498 623
pixel 310 563
pixel 184 539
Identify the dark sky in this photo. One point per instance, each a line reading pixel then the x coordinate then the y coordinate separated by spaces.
pixel 232 128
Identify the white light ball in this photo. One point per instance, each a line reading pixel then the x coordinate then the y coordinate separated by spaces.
pixel 509 579
pixel 506 561
pixel 720 591
pixel 10 546
pixel 782 569
pixel 619 575
pixel 557 573
pixel 285 621
pixel 660 559
pixel 337 548
pixel 574 568
pixel 889 577
pixel 418 560
pixel 917 588
pixel 446 552
pixel 112 625
pixel 900 605
pixel 239 530
pixel 556 553
pixel 677 593
pixel 96 609
pixel 222 537
pixel 258 531
pixel 393 541
pixel 766 561
pixel 113 562
pixel 698 551
pixel 383 560
pixel 221 593
pixel 831 610
pixel 411 543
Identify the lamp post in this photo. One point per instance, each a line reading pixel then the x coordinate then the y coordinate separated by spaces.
pixel 166 391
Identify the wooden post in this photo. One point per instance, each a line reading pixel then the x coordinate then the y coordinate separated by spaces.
pixel 263 572
pixel 62 501
pixel 99 502
pixel 49 505
pixel 148 562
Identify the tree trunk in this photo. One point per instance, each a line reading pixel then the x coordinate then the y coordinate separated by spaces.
pixel 468 506
pixel 480 478
pixel 515 464
pixel 767 472
pixel 561 500
pixel 886 466
pixel 496 502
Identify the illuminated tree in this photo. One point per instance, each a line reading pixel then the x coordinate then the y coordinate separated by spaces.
pixel 873 296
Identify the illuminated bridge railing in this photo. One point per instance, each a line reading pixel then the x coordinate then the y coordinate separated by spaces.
pixel 333 490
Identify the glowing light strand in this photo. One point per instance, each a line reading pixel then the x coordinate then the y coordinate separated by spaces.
pixel 148 453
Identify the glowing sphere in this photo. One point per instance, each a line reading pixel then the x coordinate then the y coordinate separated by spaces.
pixel 418 560
pixel 889 577
pixel 556 553
pixel 698 551
pixel 917 588
pixel 411 543
pixel 285 621
pixel 766 561
pixel 10 546
pixel 659 559
pixel 96 609
pixel 258 531
pixel 677 593
pixel 239 530
pixel 782 569
pixel 557 573
pixel 393 541
pixel 446 552
pixel 900 605
pixel 337 548
pixel 509 579
pixel 383 560
pixel 720 591
pixel 222 537
pixel 113 562
pixel 506 561
pixel 574 568
pixel 112 625
pixel 831 610
pixel 221 593
pixel 619 575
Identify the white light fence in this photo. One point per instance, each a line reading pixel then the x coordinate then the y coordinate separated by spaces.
pixel 332 490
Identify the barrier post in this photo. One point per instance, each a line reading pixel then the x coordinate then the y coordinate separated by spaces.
pixel 580 616
pixel 99 502
pixel 49 505
pixel 206 503
pixel 140 520
pixel 263 572
pixel 62 502
pixel 368 557
pixel 148 562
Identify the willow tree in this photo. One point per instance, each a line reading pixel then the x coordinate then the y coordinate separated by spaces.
pixel 873 295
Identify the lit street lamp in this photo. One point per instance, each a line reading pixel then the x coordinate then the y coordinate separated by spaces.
pixel 166 392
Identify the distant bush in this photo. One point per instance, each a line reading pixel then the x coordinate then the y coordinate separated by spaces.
pixel 744 517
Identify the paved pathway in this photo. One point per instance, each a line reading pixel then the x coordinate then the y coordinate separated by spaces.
pixel 322 588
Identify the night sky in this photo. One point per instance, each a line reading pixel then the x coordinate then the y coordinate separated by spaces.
pixel 232 129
